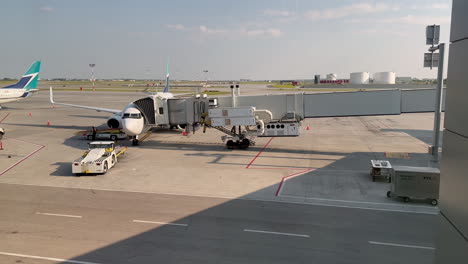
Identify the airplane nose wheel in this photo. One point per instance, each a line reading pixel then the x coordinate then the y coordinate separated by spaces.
pixel 135 142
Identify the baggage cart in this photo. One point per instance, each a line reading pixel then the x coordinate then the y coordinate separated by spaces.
pixel 415 183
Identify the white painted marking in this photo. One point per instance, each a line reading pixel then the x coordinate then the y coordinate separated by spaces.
pixel 400 245
pixel 159 223
pixel 275 233
pixel 63 215
pixel 46 258
pixel 347 201
pixel 411 209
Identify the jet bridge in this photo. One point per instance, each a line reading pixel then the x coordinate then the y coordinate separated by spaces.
pixel 244 117
pixel 332 104
pixel 280 114
pixel 160 111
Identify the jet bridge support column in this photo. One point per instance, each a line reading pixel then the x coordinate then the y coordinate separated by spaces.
pixel 233 97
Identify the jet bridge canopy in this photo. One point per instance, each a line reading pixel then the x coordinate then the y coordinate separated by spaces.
pixel 146 107
pixel 330 104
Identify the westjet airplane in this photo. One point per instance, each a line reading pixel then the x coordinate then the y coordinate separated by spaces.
pixel 130 119
pixel 24 88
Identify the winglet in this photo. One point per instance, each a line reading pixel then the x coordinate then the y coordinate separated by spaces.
pixel 51 96
pixel 166 87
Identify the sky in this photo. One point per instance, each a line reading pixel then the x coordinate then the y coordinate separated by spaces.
pixel 242 39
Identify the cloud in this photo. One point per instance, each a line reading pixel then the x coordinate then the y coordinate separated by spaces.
pixel 417 20
pixel 277 13
pixel 243 32
pixel 47 9
pixel 349 10
pixel 176 26
pixel 207 30
pixel 271 32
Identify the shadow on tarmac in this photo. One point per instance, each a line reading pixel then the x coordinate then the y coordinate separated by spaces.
pixel 337 235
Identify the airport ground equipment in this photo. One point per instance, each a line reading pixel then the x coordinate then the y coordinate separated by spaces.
pixel 230 121
pixel 415 182
pixel 98 159
pixel 243 123
pixel 381 168
pixel 103 134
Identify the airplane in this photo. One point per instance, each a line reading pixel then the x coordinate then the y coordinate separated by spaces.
pixel 130 119
pixel 24 88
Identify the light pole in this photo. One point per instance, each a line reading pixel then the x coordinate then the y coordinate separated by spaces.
pixel 92 65
pixel 436 60
pixel 206 79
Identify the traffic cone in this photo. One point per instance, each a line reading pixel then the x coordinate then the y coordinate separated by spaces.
pixel 184 133
pixel 308 128
pixel 30 114
pixel 48 123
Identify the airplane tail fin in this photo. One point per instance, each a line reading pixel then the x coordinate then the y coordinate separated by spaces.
pixel 166 87
pixel 29 79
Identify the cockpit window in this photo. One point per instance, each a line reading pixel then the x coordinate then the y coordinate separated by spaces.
pixel 132 115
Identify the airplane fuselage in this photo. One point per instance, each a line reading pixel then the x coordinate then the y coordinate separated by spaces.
pixel 10 95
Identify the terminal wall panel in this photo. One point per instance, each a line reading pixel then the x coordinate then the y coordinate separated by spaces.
pixel 458 29
pixel 278 104
pixel 420 100
pixel 456 117
pixel 352 103
pixel 454 180
pixel 451 247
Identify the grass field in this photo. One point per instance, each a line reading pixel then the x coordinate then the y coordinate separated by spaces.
pixel 283 86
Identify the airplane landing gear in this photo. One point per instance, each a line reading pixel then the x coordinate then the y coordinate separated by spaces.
pixel 135 141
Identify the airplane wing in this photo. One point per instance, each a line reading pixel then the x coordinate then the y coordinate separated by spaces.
pixel 99 109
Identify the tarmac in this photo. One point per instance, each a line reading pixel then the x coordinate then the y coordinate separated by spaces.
pixel 188 199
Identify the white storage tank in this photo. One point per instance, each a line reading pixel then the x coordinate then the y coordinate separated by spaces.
pixel 332 76
pixel 359 78
pixel 384 78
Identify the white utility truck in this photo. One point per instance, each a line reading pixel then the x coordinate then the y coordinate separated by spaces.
pixel 100 157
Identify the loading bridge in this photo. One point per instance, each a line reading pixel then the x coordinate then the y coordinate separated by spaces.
pixel 146 107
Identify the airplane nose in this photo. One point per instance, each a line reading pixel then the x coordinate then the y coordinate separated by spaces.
pixel 130 128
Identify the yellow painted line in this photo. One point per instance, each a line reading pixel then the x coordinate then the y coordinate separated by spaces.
pixel 121 152
pixel 145 136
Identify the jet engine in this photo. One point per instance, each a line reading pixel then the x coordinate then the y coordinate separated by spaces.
pixel 114 122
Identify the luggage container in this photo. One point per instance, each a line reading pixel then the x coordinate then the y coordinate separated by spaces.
pixel 415 182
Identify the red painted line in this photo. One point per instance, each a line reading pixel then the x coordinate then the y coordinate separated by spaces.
pixel 21 160
pixel 4 117
pixel 285 178
pixel 260 152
